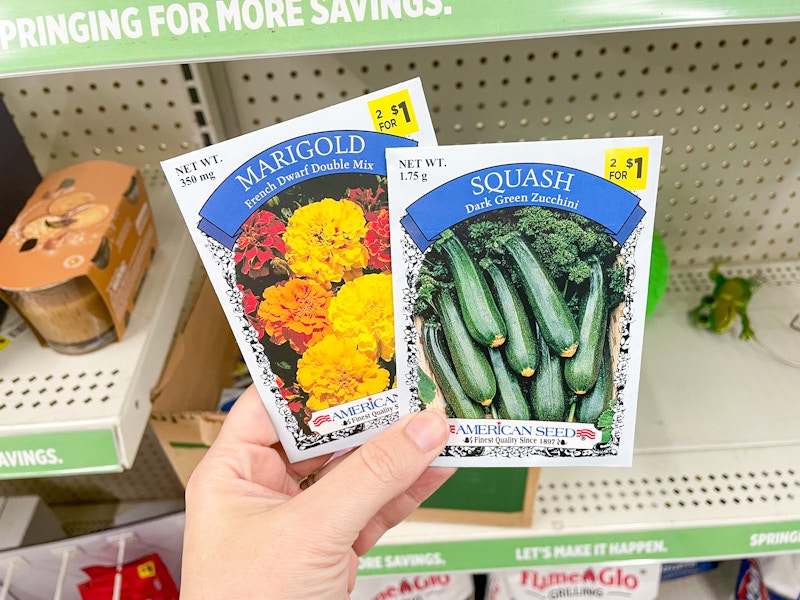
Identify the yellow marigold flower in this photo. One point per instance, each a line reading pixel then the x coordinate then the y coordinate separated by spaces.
pixel 324 241
pixel 296 310
pixel 363 309
pixel 333 372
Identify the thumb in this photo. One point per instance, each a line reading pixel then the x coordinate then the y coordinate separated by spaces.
pixel 376 473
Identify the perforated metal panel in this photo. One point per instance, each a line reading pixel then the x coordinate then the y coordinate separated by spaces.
pixel 137 116
pixel 725 99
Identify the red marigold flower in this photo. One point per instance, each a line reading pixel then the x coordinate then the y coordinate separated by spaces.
pixel 250 301
pixel 367 199
pixel 377 240
pixel 258 324
pixel 259 243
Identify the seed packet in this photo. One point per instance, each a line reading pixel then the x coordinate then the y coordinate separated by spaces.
pixel 520 285
pixel 291 223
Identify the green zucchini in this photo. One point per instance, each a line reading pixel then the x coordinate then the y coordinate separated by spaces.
pixel 601 397
pixel 471 365
pixel 511 402
pixel 580 371
pixel 480 312
pixel 444 375
pixel 554 319
pixel 520 347
pixel 548 396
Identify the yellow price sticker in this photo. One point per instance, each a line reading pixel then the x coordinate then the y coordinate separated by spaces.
pixel 627 167
pixel 394 114
pixel 4 342
pixel 146 570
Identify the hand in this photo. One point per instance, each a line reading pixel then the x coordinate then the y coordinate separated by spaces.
pixel 252 532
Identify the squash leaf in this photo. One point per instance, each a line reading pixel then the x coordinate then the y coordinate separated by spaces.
pixel 606 419
pixel 427 388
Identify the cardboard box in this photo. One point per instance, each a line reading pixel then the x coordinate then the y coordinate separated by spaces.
pixel 183 403
pixel 75 256
pixel 204 344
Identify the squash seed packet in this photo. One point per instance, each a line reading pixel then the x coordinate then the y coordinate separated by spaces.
pixel 520 287
pixel 291 223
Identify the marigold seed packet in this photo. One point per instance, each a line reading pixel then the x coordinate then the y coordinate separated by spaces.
pixel 292 225
pixel 520 286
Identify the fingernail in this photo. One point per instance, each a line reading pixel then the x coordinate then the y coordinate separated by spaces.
pixel 427 429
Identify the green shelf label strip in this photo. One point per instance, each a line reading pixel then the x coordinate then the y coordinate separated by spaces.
pixel 63 453
pixel 658 545
pixel 56 35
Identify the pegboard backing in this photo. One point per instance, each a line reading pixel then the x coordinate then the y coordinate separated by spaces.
pixel 724 98
pixel 138 116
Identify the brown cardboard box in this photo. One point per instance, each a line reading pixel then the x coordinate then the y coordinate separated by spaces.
pixel 75 257
pixel 202 359
pixel 200 365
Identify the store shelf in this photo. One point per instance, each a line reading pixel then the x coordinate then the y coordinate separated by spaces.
pixel 86 414
pixel 715 465
pixel 717 442
pixel 33 39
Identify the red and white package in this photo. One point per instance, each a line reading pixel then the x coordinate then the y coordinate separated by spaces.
pixel 146 578
pixel 427 586
pixel 576 582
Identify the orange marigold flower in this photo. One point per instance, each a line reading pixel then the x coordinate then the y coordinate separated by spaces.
pixel 296 311
pixel 334 371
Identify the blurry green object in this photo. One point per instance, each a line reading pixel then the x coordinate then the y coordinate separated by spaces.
pixel 659 273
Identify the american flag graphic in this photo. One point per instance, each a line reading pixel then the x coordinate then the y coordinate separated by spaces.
pixel 587 433
pixel 319 420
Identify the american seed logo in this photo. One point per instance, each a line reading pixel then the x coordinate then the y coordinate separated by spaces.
pixel 353 413
pixel 321 419
pixel 520 433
